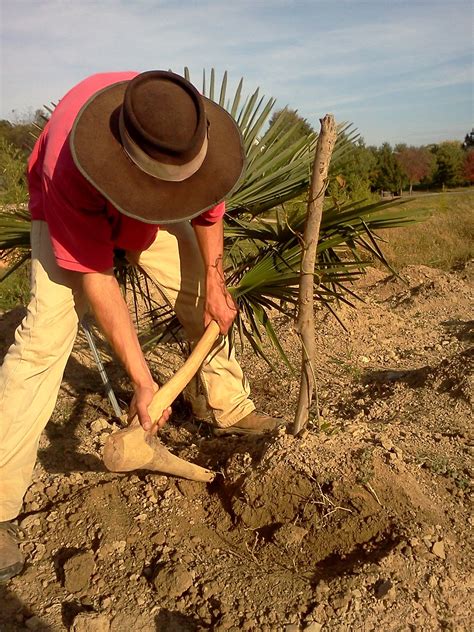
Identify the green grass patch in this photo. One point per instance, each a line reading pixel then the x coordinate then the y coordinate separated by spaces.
pixel 15 289
pixel 445 240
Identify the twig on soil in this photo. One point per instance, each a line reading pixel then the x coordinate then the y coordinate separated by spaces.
pixel 248 558
pixel 373 492
pixel 252 550
pixel 327 501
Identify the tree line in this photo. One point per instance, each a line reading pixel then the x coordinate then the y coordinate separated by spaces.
pixel 399 168
pixel 364 170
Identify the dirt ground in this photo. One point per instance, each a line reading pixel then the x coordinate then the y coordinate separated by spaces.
pixel 362 524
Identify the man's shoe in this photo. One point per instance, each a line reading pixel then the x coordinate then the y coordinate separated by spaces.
pixel 11 558
pixel 254 423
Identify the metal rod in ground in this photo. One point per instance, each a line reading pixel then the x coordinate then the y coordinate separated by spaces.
pixel 103 374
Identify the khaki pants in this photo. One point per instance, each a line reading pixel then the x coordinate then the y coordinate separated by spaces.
pixel 31 374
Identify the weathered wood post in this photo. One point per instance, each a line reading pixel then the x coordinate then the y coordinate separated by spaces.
pixel 305 319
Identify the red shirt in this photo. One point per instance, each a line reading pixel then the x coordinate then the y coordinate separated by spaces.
pixel 85 228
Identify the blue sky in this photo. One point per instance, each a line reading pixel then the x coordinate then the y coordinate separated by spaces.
pixel 400 70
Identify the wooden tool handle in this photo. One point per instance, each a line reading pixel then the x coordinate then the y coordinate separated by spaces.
pixel 169 391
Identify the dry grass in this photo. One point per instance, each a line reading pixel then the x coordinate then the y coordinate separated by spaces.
pixel 444 241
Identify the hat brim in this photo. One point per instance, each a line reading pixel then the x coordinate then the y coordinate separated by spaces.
pixel 98 154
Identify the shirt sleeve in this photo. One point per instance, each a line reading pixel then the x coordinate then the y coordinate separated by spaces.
pixel 211 216
pixel 35 190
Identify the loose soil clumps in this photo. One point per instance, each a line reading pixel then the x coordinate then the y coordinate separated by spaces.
pixel 363 523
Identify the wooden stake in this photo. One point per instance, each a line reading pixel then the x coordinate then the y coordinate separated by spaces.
pixel 305 321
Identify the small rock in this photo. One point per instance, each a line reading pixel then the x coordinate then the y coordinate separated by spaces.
pixel 340 604
pixel 190 489
pixel 30 521
pixel 438 550
pixel 106 603
pixel 38 487
pixel 78 572
pixel 386 443
pixel 382 587
pixel 313 627
pixel 432 581
pixel 89 622
pixel 27 548
pixel 76 477
pixel 292 627
pixel 52 516
pixel 186 558
pixel 119 546
pixel 158 538
pixel 289 535
pixel 321 591
pixel 39 552
pixel 430 608
pixel 172 580
pixel 391 594
pixel 103 437
pixel 99 424
pixel 52 492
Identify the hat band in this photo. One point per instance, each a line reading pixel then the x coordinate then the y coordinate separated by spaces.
pixel 155 168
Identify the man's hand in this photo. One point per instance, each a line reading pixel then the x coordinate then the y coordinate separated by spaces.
pixel 139 406
pixel 220 305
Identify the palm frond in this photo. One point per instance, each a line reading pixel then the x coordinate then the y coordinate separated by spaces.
pixel 263 250
pixel 14 229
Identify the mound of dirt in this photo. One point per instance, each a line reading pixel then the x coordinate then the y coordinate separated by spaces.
pixel 363 523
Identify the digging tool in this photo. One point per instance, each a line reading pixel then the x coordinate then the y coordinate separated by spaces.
pixel 134 449
pixel 102 372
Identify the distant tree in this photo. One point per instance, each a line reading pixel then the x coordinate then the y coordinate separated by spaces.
pixel 292 118
pixel 355 173
pixel 12 174
pixel 449 164
pixel 468 167
pixel 389 175
pixel 469 141
pixel 21 134
pixel 416 162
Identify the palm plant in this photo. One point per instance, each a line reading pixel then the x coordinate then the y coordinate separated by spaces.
pixel 263 236
pixel 262 227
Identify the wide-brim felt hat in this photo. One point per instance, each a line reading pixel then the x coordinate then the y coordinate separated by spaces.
pixel 156 149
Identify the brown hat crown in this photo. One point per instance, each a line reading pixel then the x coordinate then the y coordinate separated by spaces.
pixel 156 149
pixel 164 115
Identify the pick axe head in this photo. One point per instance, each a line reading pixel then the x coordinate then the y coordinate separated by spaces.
pixel 134 449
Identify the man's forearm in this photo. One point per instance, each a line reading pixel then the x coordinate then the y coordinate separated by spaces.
pixel 219 304
pixel 113 318
pixel 211 244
